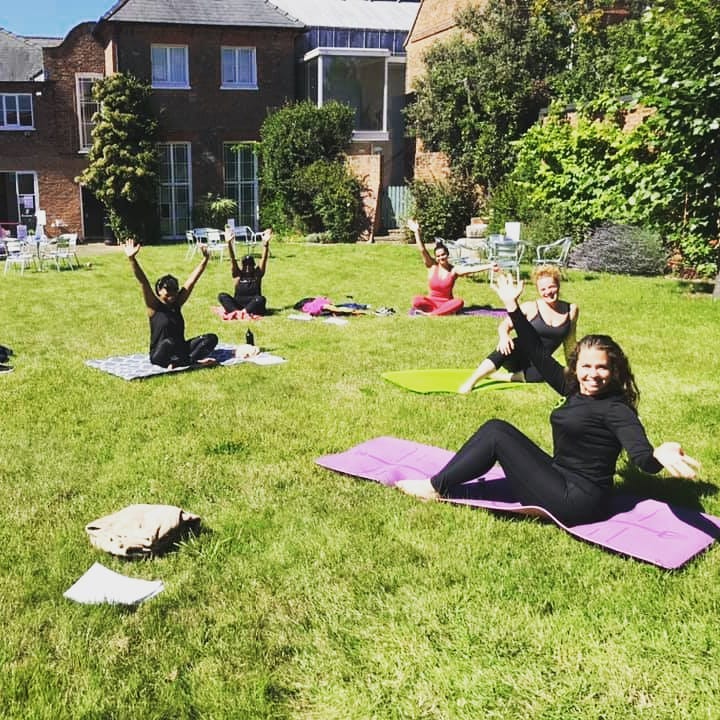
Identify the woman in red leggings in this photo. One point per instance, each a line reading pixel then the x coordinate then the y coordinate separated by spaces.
pixel 441 278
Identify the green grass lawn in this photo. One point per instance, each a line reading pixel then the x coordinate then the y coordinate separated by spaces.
pixel 309 594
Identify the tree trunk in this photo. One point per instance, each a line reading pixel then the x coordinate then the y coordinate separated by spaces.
pixel 716 289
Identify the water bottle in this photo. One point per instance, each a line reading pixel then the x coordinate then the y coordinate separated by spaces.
pixel 249 337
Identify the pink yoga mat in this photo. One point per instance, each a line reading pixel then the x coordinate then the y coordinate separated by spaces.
pixel 645 529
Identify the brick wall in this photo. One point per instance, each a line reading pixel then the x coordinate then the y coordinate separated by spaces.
pixel 369 169
pixel 434 22
pixel 52 148
pixel 205 115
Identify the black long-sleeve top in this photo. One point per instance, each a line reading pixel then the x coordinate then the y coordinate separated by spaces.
pixel 589 431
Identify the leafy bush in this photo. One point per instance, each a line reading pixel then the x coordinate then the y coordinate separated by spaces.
pixel 212 210
pixel 334 194
pixel 305 183
pixel 621 249
pixel 443 208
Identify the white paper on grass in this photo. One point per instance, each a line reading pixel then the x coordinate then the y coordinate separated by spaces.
pixel 304 316
pixel 102 585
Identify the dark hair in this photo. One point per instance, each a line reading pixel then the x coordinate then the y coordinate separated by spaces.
pixel 248 260
pixel 169 282
pixel 440 245
pixel 622 379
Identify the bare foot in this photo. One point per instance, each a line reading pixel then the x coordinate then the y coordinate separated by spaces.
pixel 466 388
pixel 422 489
pixel 206 362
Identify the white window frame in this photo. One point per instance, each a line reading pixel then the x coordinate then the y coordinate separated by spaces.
pixel 249 83
pixel 177 228
pixel 236 188
pixel 5 100
pixel 170 83
pixel 82 109
pixel 381 135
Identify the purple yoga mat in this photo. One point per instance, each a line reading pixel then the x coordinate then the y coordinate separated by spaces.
pixel 645 529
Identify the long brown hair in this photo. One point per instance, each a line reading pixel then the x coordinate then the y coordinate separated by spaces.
pixel 622 379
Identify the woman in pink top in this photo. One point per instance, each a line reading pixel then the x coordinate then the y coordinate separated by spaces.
pixel 441 278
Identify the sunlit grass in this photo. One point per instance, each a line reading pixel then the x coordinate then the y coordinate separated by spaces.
pixel 313 595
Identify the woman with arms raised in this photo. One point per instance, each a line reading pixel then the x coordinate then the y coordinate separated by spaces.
pixel 441 278
pixel 168 346
pixel 247 279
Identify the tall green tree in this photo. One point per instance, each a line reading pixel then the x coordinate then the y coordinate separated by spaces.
pixel 305 183
pixel 665 173
pixel 122 170
pixel 484 88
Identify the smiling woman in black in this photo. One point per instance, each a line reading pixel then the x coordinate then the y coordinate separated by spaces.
pixel 596 421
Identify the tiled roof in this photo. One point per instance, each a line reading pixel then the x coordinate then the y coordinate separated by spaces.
pixel 366 14
pixel 253 13
pixel 20 58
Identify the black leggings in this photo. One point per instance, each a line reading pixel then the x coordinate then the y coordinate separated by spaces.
pixel 530 471
pixel 516 361
pixel 253 304
pixel 170 352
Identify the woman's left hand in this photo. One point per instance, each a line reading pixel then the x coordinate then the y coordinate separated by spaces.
pixel 204 250
pixel 673 458
pixel 508 291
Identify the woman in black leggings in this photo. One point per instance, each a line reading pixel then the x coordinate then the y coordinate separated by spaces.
pixel 168 346
pixel 595 422
pixel 247 278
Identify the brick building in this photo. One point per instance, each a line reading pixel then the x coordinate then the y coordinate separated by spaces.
pixel 216 71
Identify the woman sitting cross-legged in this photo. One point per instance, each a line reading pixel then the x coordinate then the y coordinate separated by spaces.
pixel 168 346
pixel 597 419
pixel 247 278
pixel 441 278
pixel 554 321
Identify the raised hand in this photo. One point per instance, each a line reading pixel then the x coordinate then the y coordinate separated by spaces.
pixel 413 225
pixel 131 249
pixel 508 291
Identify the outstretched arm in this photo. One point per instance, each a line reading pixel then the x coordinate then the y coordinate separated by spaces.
pixel 267 234
pixel 132 250
pixel 230 240
pixel 189 284
pixel 571 340
pixel 471 269
pixel 414 227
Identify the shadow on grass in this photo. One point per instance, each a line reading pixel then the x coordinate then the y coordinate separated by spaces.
pixel 695 287
pixel 687 493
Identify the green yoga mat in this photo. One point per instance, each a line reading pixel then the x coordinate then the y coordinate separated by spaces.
pixel 442 381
